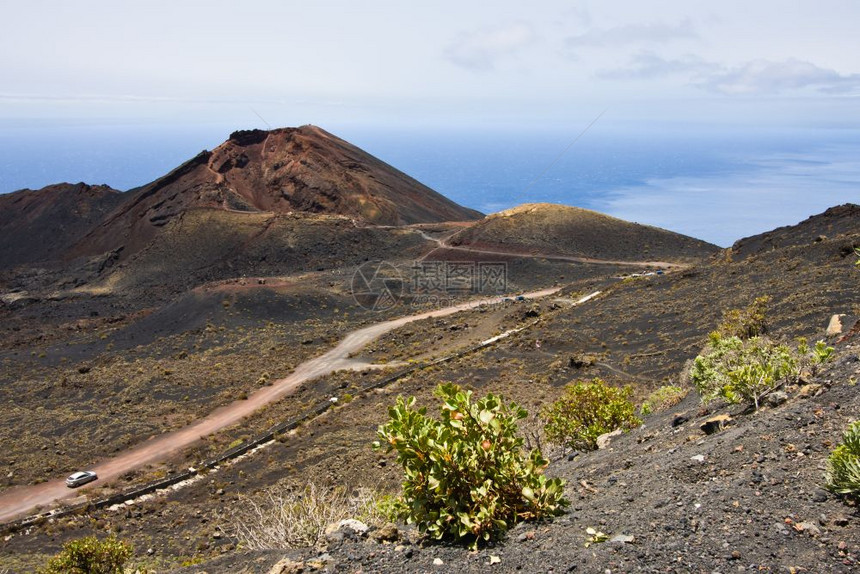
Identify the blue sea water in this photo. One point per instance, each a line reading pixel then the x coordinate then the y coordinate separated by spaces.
pixel 718 184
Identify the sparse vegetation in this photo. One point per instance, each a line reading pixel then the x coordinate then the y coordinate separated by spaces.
pixel 663 398
pixel 742 370
pixel 843 465
pixel 746 370
pixel 746 323
pixel 466 474
pixel 587 410
pixel 90 555
pixel 288 517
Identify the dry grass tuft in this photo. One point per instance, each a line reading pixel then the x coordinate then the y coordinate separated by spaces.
pixel 287 517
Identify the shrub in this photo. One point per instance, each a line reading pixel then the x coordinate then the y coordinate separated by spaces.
pixel 466 475
pixel 287 517
pixel 90 555
pixel 818 354
pixel 661 399
pixel 586 411
pixel 742 370
pixel 746 323
pixel 821 353
pixel 843 465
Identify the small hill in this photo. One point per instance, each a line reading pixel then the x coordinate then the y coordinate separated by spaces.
pixel 836 222
pixel 285 170
pixel 563 230
pixel 39 225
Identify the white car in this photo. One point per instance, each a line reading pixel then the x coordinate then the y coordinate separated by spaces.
pixel 81 478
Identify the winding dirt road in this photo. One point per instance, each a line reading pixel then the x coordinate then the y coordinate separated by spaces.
pixel 19 501
pixel 443 244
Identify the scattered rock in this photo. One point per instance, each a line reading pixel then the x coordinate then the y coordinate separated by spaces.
pixel 776 398
pixel 287 566
pixel 819 496
pixel 700 458
pixel 438 562
pixel 808 527
pixel 580 361
pixel 679 420
pixel 840 520
pixel 715 424
pixel 495 559
pixel 834 327
pixel 530 535
pixel 622 539
pixel 387 533
pixel 809 390
pixel 604 440
pixel 356 526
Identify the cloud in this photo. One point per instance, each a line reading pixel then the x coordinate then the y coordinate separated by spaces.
pixel 756 77
pixel 767 77
pixel 647 65
pixel 481 50
pixel 634 34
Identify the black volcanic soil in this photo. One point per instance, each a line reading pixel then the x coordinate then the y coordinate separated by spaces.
pixel 640 331
pixel 838 221
pixel 747 499
pixel 564 230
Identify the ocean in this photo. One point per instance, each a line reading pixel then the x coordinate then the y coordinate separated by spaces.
pixel 714 183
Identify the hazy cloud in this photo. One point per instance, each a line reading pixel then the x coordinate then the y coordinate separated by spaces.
pixel 481 50
pixel 767 77
pixel 634 34
pixel 757 77
pixel 647 65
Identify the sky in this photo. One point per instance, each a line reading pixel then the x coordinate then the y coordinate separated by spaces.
pixel 394 63
pixel 178 76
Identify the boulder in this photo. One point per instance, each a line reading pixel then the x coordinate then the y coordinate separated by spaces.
pixel 776 398
pixel 387 533
pixel 715 424
pixel 835 326
pixel 604 439
pixel 287 566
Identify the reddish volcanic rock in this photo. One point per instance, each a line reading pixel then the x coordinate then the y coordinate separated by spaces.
pixel 291 169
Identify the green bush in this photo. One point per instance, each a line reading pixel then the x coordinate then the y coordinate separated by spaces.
pixel 662 399
pixel 816 355
pixel 466 474
pixel 586 411
pixel 843 465
pixel 90 556
pixel 746 323
pixel 742 370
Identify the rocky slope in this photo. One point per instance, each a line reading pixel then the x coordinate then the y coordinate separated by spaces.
pixel 577 232
pixel 292 169
pixel 837 222
pixel 40 225
pixel 669 497
pixel 281 171
pixel 135 377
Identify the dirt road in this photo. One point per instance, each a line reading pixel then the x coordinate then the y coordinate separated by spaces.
pixel 19 501
pixel 443 244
